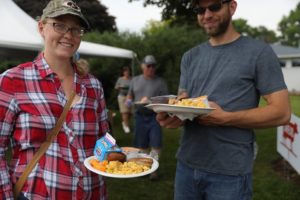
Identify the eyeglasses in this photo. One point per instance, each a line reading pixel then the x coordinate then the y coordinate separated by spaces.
pixel 212 8
pixel 63 29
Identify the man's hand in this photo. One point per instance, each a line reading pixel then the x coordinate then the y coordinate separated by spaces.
pixel 277 112
pixel 215 118
pixel 168 122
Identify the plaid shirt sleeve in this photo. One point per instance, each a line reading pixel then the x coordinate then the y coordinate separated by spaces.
pixel 7 113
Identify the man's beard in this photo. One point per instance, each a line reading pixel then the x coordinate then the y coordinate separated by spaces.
pixel 219 30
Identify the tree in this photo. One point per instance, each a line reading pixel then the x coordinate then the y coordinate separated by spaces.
pixel 242 26
pixel 179 12
pixel 289 27
pixel 168 44
pixel 260 32
pixel 95 13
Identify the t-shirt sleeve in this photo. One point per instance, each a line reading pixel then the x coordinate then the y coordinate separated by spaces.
pixel 268 72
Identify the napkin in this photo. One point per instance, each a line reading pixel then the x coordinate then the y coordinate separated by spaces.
pixel 183 116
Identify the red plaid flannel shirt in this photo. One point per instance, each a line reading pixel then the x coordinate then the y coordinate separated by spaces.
pixel 31 102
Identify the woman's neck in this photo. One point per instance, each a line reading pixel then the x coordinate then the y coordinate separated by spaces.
pixel 62 67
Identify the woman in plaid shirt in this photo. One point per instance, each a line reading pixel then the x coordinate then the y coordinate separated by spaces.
pixel 33 95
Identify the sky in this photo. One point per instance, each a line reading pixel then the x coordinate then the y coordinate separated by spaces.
pixel 133 16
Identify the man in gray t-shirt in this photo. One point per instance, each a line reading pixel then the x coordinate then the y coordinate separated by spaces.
pixel 147 133
pixel 215 156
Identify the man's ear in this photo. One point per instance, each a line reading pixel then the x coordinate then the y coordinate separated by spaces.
pixel 232 7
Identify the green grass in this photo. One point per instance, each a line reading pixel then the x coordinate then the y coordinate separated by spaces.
pixel 267 184
pixel 295 104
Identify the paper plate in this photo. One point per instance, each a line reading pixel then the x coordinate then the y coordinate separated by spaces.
pixel 178 109
pixel 182 112
pixel 89 167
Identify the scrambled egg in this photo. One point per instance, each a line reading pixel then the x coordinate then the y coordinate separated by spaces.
pixel 116 167
pixel 200 102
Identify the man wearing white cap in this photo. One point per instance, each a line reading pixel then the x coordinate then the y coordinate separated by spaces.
pixel 147 133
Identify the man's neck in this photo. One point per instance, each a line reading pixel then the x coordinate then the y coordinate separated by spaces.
pixel 229 36
pixel 148 76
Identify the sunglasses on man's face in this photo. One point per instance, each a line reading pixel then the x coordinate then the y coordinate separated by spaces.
pixel 212 8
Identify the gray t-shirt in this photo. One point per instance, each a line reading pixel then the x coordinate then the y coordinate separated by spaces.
pixel 233 75
pixel 141 87
pixel 123 85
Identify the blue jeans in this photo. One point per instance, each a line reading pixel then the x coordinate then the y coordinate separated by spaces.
pixel 193 184
pixel 147 131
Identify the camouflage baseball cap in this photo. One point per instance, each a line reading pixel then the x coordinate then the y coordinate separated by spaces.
pixel 57 8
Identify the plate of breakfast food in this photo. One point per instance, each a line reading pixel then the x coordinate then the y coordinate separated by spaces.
pixel 187 108
pixel 138 166
pixel 112 161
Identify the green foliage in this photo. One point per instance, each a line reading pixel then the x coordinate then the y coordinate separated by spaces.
pixel 289 27
pixel 242 26
pixel 97 15
pixel 260 32
pixel 263 33
pixel 6 64
pixel 166 43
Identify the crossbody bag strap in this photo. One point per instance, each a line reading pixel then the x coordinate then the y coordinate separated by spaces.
pixel 43 148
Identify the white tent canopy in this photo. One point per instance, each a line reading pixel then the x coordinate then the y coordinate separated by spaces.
pixel 19 32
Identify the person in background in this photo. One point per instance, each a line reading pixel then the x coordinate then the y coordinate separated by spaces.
pixel 122 85
pixel 33 95
pixel 215 156
pixel 147 133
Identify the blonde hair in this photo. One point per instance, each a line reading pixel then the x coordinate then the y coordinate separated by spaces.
pixel 83 66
